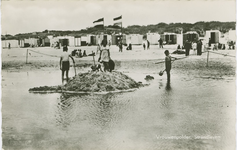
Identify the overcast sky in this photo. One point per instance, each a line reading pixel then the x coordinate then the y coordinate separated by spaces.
pixel 33 16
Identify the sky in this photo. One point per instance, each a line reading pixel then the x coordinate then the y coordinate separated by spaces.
pixel 27 16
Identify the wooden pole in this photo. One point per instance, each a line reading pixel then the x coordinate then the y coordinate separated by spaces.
pixel 207 57
pixel 26 56
pixel 93 57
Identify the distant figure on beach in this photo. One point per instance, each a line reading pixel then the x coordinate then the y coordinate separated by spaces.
pixel 144 43
pixel 215 47
pixel 199 47
pixel 187 47
pixel 9 46
pixel 84 53
pixel 104 55
pixel 64 62
pixel 148 44
pixel 209 43
pixel 194 47
pixel 160 43
pixel 120 45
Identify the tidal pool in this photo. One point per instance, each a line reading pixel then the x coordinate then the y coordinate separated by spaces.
pixel 190 113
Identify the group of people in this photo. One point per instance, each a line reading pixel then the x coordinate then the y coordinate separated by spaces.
pixel 196 45
pixel 104 58
pixel 78 53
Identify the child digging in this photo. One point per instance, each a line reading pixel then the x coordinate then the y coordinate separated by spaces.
pixel 64 62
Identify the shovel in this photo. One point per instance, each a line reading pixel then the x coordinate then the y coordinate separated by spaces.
pixel 75 69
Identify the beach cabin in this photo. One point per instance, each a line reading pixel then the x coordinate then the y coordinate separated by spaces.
pixel 71 41
pixel 91 39
pixel 53 41
pixel 169 38
pixel 99 39
pixel 27 42
pixel 109 38
pixel 13 43
pixel 21 42
pixel 77 41
pixel 66 40
pixel 46 41
pixel 84 41
pixel 214 35
pixel 232 35
pixel 136 39
pixel 190 36
pixel 116 37
pixel 153 38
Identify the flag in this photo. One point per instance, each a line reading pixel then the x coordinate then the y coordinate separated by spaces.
pixel 118 21
pixel 99 23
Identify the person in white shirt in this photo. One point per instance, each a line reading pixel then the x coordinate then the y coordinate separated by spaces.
pixel 64 62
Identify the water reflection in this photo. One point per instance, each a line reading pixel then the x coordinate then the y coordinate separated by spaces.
pixel 65 110
pixel 97 110
pixel 105 111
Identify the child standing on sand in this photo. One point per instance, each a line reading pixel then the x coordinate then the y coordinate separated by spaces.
pixel 64 62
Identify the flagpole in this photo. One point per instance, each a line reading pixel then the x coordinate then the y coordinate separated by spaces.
pixel 103 26
pixel 122 28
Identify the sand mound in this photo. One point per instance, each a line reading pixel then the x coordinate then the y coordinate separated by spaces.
pixel 95 82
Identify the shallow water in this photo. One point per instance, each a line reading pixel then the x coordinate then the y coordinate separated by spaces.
pixel 190 113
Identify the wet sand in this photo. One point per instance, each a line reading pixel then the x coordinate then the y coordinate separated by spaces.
pixel 196 111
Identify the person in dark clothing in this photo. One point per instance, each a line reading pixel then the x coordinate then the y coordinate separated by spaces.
pixel 120 45
pixel 84 53
pixel 168 60
pixel 160 42
pixel 199 47
pixel 187 47
pixel 148 44
pixel 209 42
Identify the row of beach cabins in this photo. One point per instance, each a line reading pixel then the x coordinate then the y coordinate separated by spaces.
pixel 214 36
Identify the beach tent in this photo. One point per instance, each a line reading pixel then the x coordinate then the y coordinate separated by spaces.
pixel 13 43
pixel 153 38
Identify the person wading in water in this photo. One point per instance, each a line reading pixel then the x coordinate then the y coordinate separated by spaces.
pixel 64 62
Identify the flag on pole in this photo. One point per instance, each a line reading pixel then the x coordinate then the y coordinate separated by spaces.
pixel 118 21
pixel 99 23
